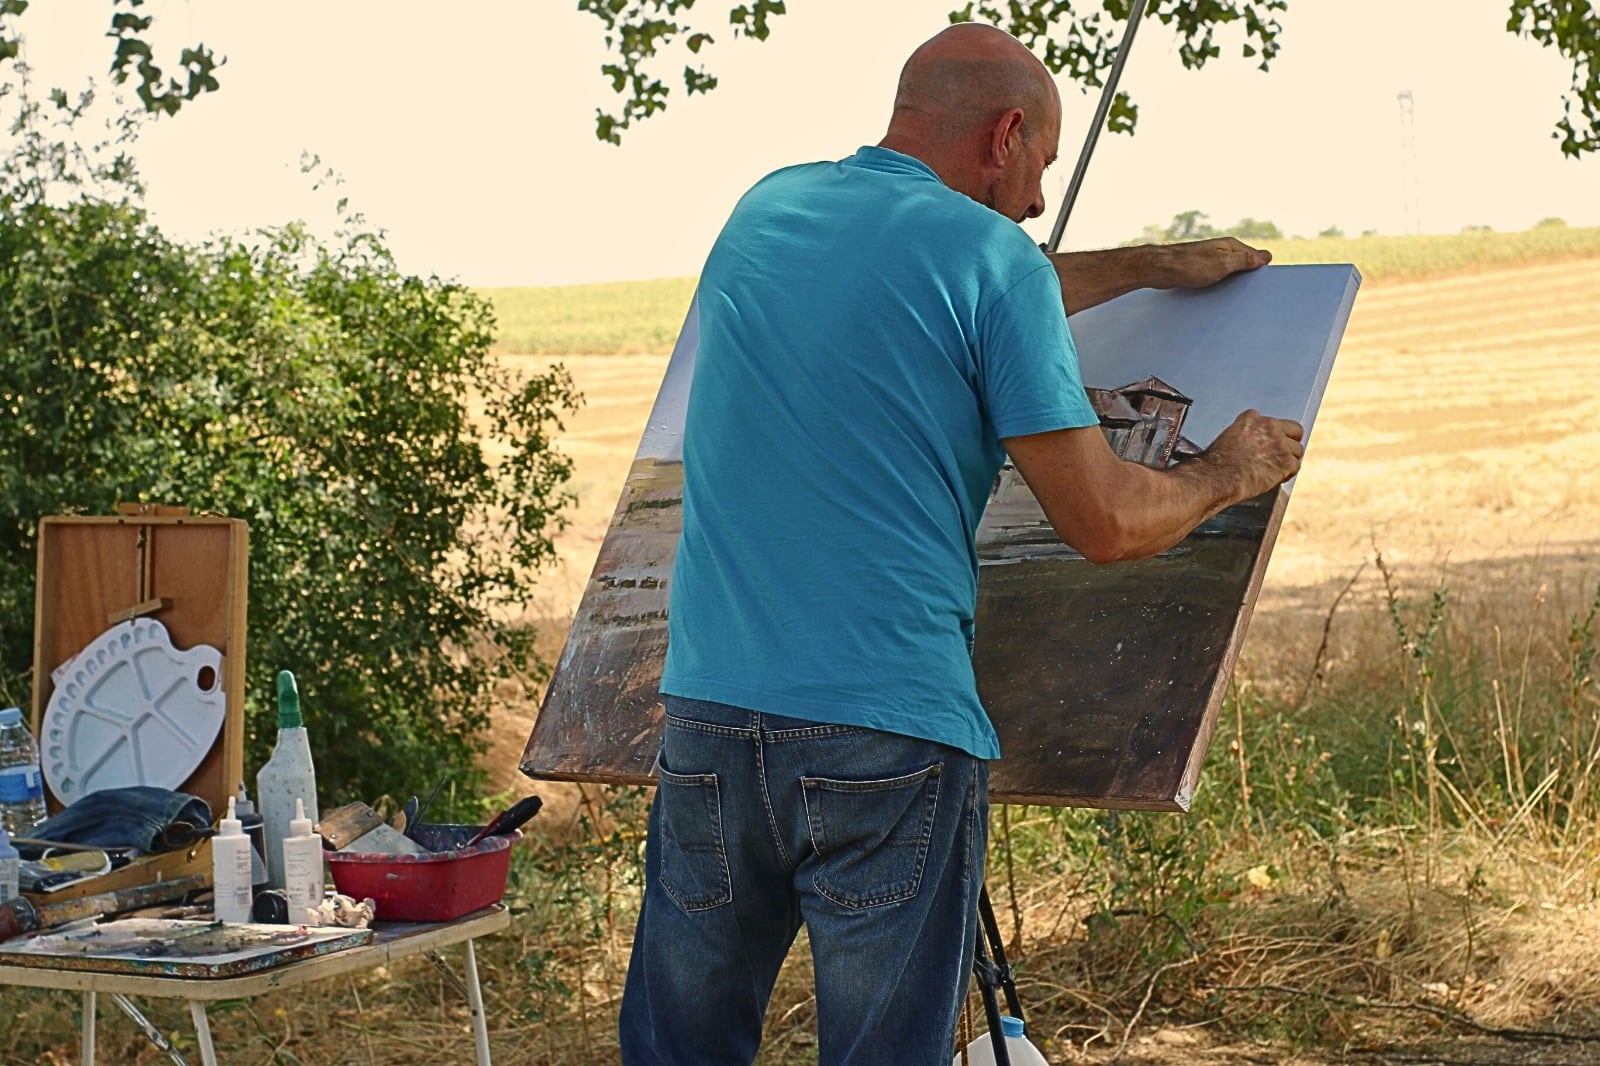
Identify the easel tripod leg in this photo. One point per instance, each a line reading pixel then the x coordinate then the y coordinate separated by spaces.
pixel 993 974
pixel 997 947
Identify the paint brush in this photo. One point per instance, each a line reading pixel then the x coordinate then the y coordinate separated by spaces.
pixel 123 899
pixel 19 916
pixel 416 820
pixel 508 819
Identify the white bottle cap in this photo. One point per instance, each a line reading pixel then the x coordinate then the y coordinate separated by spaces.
pixel 300 825
pixel 230 826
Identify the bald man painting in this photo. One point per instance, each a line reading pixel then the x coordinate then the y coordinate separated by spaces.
pixel 876 334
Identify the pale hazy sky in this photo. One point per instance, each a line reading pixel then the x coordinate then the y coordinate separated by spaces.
pixel 466 130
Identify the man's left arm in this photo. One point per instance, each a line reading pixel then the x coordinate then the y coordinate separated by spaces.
pixel 1089 278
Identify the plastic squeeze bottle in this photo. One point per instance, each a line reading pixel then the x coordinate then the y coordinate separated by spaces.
pixel 288 775
pixel 250 821
pixel 230 869
pixel 302 868
pixel 1018 1048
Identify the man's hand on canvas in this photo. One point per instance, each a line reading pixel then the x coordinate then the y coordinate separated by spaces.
pixel 1090 278
pixel 1257 452
pixel 1196 264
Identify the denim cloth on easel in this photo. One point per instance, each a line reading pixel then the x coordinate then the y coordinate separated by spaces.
pixel 140 816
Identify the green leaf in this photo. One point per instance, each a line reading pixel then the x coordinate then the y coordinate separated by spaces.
pixel 123 22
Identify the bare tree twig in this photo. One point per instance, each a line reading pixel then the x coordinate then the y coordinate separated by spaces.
pixel 1327 628
pixel 1149 990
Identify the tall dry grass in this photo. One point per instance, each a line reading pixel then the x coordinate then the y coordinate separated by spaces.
pixel 1395 839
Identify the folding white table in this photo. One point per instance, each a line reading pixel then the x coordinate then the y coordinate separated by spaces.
pixel 391 941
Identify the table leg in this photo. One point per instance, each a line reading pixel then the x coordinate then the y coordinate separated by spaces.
pixel 88 1028
pixel 480 1024
pixel 202 1032
pixel 156 1036
pixel 474 993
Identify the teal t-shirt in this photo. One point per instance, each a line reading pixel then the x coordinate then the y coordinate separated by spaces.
pixel 867 337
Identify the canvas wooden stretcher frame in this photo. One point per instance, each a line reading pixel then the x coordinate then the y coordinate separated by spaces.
pixel 1103 683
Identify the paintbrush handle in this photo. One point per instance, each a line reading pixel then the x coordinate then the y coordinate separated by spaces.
pixel 121 900
pixel 35 842
pixel 508 819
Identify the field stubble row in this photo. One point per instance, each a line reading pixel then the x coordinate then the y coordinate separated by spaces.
pixel 1460 426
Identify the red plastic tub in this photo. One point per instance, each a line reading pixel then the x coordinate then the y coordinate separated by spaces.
pixel 435 887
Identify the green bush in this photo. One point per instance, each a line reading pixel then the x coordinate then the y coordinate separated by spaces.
pixel 399 486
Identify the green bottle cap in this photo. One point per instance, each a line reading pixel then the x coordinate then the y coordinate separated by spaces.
pixel 288 702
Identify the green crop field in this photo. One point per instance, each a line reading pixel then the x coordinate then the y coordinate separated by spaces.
pixel 614 318
pixel 637 317
pixel 1381 258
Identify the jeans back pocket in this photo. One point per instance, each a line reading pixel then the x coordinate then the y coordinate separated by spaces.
pixel 872 836
pixel 694 858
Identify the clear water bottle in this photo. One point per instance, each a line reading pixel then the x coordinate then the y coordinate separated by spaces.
pixel 21 786
pixel 1019 1049
pixel 10 868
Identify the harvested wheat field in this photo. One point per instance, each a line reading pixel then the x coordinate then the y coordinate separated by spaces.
pixel 1458 431
pixel 1447 505
pixel 1460 428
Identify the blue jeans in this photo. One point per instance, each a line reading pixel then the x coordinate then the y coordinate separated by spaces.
pixel 145 817
pixel 875 841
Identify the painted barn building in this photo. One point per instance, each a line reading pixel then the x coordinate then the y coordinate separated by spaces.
pixel 1144 421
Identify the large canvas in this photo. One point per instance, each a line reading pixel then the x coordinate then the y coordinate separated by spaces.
pixel 1102 681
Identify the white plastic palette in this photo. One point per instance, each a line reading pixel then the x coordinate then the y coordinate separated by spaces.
pixel 131 709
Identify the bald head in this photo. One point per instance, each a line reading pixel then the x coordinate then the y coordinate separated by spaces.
pixel 965 77
pixel 982 111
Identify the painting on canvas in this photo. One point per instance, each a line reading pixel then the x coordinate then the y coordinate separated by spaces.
pixel 1103 682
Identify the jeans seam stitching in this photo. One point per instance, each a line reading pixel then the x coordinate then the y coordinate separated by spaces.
pixel 735 732
pixel 813 732
pixel 760 739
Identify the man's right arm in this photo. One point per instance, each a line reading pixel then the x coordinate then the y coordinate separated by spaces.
pixel 1090 278
pixel 1112 510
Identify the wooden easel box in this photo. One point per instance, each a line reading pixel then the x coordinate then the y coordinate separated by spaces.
pixel 186 571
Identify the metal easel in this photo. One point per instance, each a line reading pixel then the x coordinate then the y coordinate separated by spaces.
pixel 994 975
pixel 989 964
pixel 1106 96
